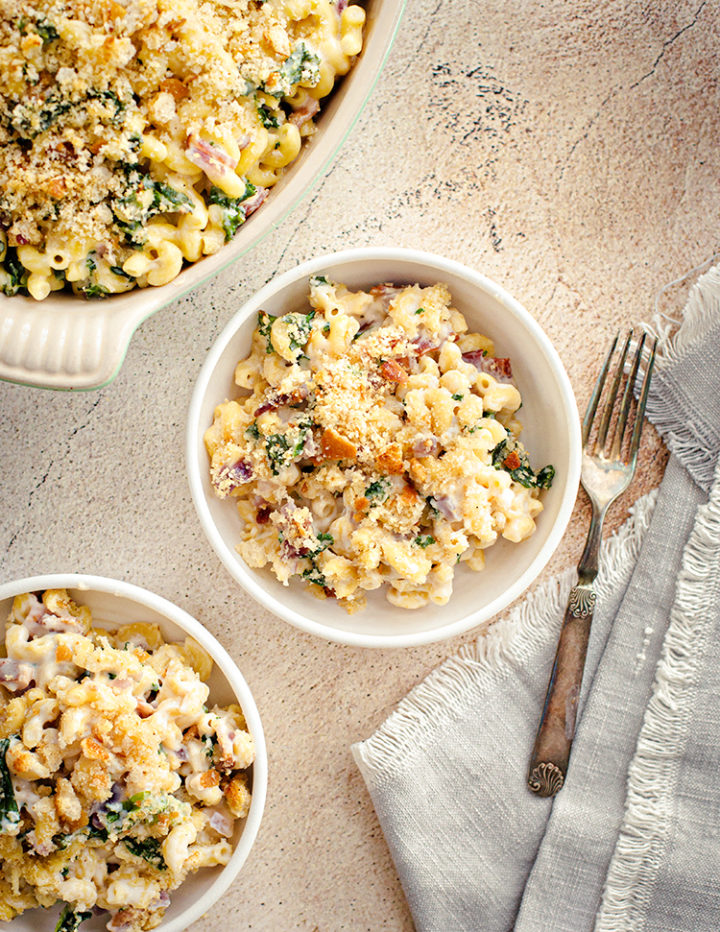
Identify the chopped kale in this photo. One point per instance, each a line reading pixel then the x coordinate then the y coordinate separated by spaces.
pixel 458 397
pixel 116 270
pixel 93 290
pixel 234 213
pixel 378 490
pixel 431 505
pixel 28 121
pixel 316 280
pixel 424 540
pixel 148 849
pixel 253 431
pixel 314 575
pixel 70 920
pixel 16 273
pixel 9 812
pixel 100 833
pixel 511 457
pixel 267 116
pixel 209 741
pixel 325 540
pixel 298 328
pixel 145 199
pixel 420 310
pixel 47 31
pixel 302 66
pixel 265 322
pixel 282 449
pixel 166 199
pixel 111 99
pixel 90 261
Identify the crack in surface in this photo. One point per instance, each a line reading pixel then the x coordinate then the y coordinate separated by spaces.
pixel 45 476
pixel 667 44
pixel 593 120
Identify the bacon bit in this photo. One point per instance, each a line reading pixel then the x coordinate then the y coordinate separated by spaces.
pixel 390 460
pixel 422 346
pixel 393 371
pixel 498 367
pixel 175 87
pixel 93 750
pixel 336 447
pixel 210 778
pixel 382 288
pixel 56 187
pixel 512 460
pixel 63 652
pixel 262 515
pixel 330 593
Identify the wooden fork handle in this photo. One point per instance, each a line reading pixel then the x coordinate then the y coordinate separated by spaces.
pixel 549 761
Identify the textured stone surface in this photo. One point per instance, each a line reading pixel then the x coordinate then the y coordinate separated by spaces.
pixel 567 151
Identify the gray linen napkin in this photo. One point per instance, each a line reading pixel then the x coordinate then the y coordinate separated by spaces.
pixel 631 842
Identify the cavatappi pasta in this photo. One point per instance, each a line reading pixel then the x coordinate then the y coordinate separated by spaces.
pixel 375 444
pixel 138 135
pixel 116 778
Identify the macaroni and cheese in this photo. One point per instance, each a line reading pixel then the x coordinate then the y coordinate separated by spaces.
pixel 138 135
pixel 116 778
pixel 376 443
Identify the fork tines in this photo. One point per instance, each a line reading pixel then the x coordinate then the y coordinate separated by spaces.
pixel 611 431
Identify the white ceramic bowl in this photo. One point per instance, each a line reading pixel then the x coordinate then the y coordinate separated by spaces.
pixel 115 603
pixel 67 342
pixel 551 434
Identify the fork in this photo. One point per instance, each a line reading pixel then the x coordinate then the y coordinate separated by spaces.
pixel 608 465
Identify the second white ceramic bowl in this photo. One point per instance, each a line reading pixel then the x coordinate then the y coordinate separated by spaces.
pixel 115 603
pixel 551 433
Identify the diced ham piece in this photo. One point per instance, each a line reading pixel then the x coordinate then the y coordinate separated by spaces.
pixel 16 675
pixel 276 399
pixel 252 203
pixel 427 446
pixel 221 823
pixel 231 477
pixel 122 921
pixel 308 110
pixel 446 506
pixel 214 161
pixel 498 367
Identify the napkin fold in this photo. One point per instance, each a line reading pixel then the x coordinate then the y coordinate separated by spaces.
pixel 631 842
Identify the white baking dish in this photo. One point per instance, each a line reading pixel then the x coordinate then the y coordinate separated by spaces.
pixel 66 342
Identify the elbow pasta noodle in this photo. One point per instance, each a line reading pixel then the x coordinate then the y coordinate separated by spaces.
pixel 138 135
pixel 373 444
pixel 116 779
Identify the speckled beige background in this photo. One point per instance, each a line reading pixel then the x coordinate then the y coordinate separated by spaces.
pixel 568 151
